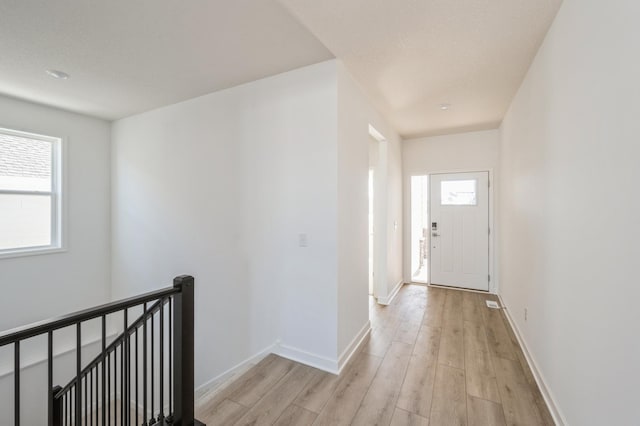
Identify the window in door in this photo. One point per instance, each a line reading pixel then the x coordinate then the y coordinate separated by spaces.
pixel 458 192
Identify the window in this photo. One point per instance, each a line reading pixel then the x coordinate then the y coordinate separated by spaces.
pixel 458 192
pixel 30 195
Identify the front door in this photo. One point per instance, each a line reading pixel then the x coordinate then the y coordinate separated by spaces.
pixel 460 230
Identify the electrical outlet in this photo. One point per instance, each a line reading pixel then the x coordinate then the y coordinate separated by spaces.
pixel 526 314
pixel 303 240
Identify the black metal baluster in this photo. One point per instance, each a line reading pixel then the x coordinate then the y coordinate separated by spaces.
pixel 170 359
pixel 86 413
pixel 104 369
pixel 114 401
pixel 152 369
pixel 50 378
pixel 97 411
pixel 86 401
pixel 108 389
pixel 113 357
pixel 144 366
pixel 121 381
pixel 161 319
pixel 16 382
pixel 126 415
pixel 136 378
pixel 66 408
pixel 78 395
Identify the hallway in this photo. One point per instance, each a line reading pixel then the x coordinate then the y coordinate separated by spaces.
pixel 435 357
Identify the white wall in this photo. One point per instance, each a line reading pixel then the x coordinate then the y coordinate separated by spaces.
pixel 471 151
pixel 220 187
pixel 51 284
pixel 570 211
pixel 394 211
pixel 48 285
pixel 355 114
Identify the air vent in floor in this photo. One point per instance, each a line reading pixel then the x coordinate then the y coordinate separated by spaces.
pixel 493 304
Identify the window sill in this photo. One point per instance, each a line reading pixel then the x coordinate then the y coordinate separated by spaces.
pixel 36 251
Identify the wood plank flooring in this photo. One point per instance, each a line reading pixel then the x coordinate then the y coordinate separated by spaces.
pixel 435 357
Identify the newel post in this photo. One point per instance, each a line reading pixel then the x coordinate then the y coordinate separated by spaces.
pixel 183 358
pixel 56 407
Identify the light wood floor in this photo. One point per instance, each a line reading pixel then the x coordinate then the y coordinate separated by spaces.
pixel 435 357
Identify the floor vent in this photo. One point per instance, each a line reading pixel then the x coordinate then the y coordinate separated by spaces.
pixel 493 304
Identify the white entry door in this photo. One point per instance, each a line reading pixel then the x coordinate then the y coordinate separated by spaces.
pixel 460 230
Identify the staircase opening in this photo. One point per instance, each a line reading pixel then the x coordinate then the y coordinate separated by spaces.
pixel 142 376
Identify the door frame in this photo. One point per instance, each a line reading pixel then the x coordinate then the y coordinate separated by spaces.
pixel 380 197
pixel 493 283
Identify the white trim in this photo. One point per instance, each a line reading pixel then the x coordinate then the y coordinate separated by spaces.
pixel 354 346
pixel 374 133
pixel 32 251
pixel 470 290
pixel 558 418
pixel 29 135
pixel 298 355
pixel 57 193
pixel 326 364
pixel 218 381
pixel 493 284
pixel 380 211
pixel 387 300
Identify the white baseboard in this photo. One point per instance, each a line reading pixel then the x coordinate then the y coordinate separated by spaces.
pixel 220 379
pixel 558 418
pixel 294 354
pixel 387 300
pixel 354 346
pixel 323 363
pixel 469 290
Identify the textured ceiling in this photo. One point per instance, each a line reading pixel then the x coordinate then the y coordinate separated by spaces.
pixel 128 56
pixel 410 56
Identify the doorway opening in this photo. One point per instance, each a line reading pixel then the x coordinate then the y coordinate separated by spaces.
pixel 420 229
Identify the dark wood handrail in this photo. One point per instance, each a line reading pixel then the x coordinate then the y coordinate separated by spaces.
pixel 42 327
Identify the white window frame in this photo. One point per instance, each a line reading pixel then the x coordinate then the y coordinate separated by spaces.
pixel 56 193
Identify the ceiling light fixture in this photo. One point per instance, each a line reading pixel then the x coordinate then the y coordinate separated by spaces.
pixel 445 107
pixel 60 75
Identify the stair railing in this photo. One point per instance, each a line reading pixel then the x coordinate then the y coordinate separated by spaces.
pixel 120 383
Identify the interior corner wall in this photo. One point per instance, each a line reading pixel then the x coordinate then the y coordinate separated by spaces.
pixel 470 151
pixel 221 187
pixel 355 114
pixel 570 210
